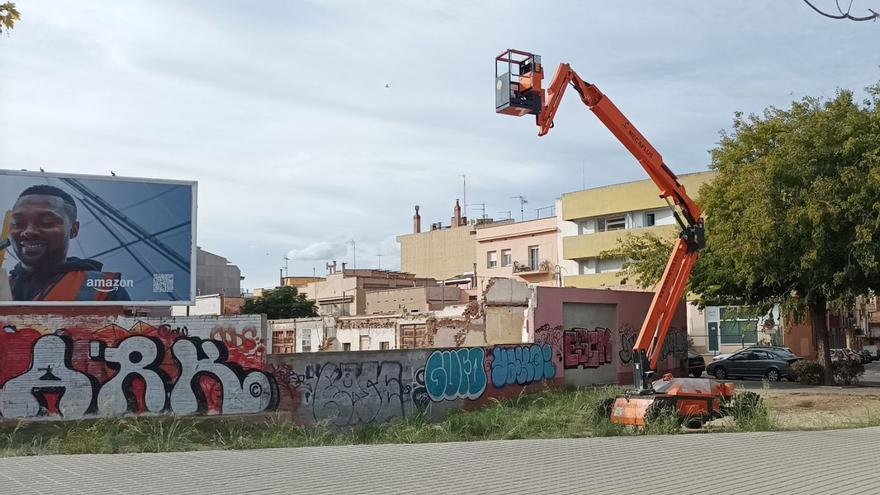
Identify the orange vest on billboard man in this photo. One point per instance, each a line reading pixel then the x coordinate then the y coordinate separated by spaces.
pixel 74 286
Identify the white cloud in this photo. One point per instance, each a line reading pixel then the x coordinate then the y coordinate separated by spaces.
pixel 319 251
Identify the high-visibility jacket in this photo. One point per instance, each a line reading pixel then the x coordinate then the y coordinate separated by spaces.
pixel 73 286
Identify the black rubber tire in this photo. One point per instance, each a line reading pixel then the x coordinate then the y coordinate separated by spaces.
pixel 720 373
pixel 694 422
pixel 659 408
pixel 773 375
pixel 696 374
pixel 603 408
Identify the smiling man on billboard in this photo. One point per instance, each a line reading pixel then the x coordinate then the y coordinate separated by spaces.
pixel 44 220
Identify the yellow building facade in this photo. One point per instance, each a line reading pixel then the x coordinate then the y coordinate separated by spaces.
pixel 591 221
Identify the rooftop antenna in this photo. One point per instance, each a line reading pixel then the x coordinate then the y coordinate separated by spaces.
pixel 464 185
pixel 354 254
pixel 522 202
pixel 482 208
pixel 380 259
pixel 508 214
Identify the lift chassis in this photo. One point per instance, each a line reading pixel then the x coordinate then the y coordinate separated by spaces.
pixel 519 91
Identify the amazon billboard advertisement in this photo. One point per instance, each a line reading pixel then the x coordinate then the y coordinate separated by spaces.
pixel 80 240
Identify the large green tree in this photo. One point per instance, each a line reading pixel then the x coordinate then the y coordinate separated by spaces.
pixel 793 215
pixel 281 302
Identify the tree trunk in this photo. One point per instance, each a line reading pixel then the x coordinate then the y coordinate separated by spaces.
pixel 819 322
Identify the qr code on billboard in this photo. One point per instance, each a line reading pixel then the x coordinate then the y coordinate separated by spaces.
pixel 163 282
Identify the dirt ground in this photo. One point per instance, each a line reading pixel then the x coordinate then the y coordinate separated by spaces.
pixel 818 410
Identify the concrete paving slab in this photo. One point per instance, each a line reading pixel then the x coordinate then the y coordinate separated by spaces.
pixel 735 463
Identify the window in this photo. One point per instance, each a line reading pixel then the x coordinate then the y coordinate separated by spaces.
pixel 533 257
pixel 365 343
pixel 306 342
pixel 615 223
pixel 739 325
pixel 606 265
pixel 607 224
pixel 384 346
pixel 505 257
pixel 346 346
pixel 492 259
pixel 649 219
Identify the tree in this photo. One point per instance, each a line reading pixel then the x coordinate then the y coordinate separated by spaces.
pixel 281 302
pixel 793 215
pixel 8 16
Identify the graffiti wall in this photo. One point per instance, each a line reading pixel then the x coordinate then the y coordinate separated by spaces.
pixel 598 329
pixel 349 389
pixel 56 367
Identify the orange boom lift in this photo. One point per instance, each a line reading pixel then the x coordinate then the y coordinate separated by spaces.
pixel 519 91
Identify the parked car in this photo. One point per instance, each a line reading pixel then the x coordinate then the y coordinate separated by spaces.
pixel 874 350
pixel 696 364
pixel 846 354
pixel 775 348
pixel 838 355
pixel 866 355
pixel 755 363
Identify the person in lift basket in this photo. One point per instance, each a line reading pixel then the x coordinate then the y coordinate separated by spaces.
pixel 43 223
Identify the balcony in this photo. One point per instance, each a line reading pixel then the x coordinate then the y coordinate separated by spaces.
pixel 591 245
pixel 525 269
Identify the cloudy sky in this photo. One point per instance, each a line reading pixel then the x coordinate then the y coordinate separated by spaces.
pixel 280 110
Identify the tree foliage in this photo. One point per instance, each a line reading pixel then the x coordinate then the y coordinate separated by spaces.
pixel 9 15
pixel 793 215
pixel 281 302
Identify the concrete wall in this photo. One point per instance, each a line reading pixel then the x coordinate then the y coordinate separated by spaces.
pixel 597 329
pixel 65 367
pixel 216 275
pixel 350 389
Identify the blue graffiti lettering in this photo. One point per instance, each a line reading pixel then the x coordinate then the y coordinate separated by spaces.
pixel 522 365
pixel 455 374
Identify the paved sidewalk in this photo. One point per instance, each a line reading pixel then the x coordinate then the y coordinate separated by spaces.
pixel 747 463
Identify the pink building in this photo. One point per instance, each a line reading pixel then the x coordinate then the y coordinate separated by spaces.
pixel 597 329
pixel 525 251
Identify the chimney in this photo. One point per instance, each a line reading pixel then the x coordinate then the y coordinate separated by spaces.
pixel 456 215
pixel 417 222
pixel 331 268
pixel 343 266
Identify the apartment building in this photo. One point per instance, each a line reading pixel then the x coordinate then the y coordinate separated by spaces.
pixel 525 251
pixel 591 221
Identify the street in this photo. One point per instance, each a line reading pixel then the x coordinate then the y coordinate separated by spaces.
pixel 839 461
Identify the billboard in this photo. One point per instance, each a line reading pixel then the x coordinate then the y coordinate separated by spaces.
pixel 90 240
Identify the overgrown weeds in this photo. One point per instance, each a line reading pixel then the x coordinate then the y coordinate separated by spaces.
pixel 568 413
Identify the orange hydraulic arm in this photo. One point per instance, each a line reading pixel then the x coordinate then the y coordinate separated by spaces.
pixel 521 93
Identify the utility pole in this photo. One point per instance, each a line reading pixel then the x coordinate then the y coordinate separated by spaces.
pixel 286 260
pixel 464 183
pixel 522 202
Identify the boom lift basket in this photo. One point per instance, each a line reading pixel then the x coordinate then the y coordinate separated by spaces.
pixel 518 83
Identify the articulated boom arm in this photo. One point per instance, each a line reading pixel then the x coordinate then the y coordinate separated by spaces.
pixel 525 92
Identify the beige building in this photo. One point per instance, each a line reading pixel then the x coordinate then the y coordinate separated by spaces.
pixel 443 252
pixel 591 221
pixel 343 292
pixel 413 300
pixel 525 251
